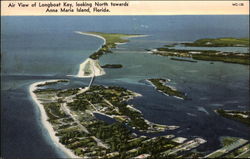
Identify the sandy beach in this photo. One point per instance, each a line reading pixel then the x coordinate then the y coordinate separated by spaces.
pixel 44 117
pixel 90 68
pixel 89 34
pixel 89 65
pixel 137 36
pixel 131 36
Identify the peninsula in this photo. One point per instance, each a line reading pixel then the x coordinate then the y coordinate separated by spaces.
pixel 91 67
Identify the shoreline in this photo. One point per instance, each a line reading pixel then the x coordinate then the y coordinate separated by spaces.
pixel 168 80
pixel 94 35
pixel 93 64
pixel 96 69
pixel 43 117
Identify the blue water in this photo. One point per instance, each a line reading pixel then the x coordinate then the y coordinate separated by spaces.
pixel 40 48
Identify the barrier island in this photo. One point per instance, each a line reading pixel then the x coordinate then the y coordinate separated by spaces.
pixel 72 116
pixel 220 42
pixel 209 55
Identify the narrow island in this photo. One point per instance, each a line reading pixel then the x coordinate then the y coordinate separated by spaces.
pixel 112 66
pixel 220 42
pixel 160 85
pixel 206 55
pixel 241 116
pixel 182 59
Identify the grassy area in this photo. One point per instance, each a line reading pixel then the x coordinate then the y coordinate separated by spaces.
pixel 216 154
pixel 240 152
pixel 111 40
pixel 160 85
pixel 225 141
pixel 230 58
pixel 220 42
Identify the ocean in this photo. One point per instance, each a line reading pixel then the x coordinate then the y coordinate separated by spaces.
pixel 40 48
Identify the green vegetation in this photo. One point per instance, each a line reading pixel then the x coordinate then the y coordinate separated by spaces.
pixel 160 85
pixel 111 40
pixel 221 42
pixel 65 93
pixel 206 55
pixel 228 140
pixel 241 116
pixel 101 139
pixel 114 98
pixel 191 155
pixel 104 49
pixel 171 45
pixel 112 66
pixel 243 152
pixel 178 59
pixel 227 58
pixel 46 91
pixel 51 83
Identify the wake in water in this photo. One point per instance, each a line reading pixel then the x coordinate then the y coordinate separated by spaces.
pixel 202 109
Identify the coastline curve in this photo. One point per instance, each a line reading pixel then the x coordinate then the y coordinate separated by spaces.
pixel 44 119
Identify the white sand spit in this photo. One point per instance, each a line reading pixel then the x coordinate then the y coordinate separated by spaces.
pixel 90 68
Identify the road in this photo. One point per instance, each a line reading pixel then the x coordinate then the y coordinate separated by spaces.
pixel 66 109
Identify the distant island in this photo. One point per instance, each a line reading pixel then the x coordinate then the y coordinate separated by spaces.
pixel 220 42
pixel 241 116
pixel 112 66
pixel 160 84
pixel 205 55
pixel 182 59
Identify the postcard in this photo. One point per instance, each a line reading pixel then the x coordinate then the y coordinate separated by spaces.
pixel 125 79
